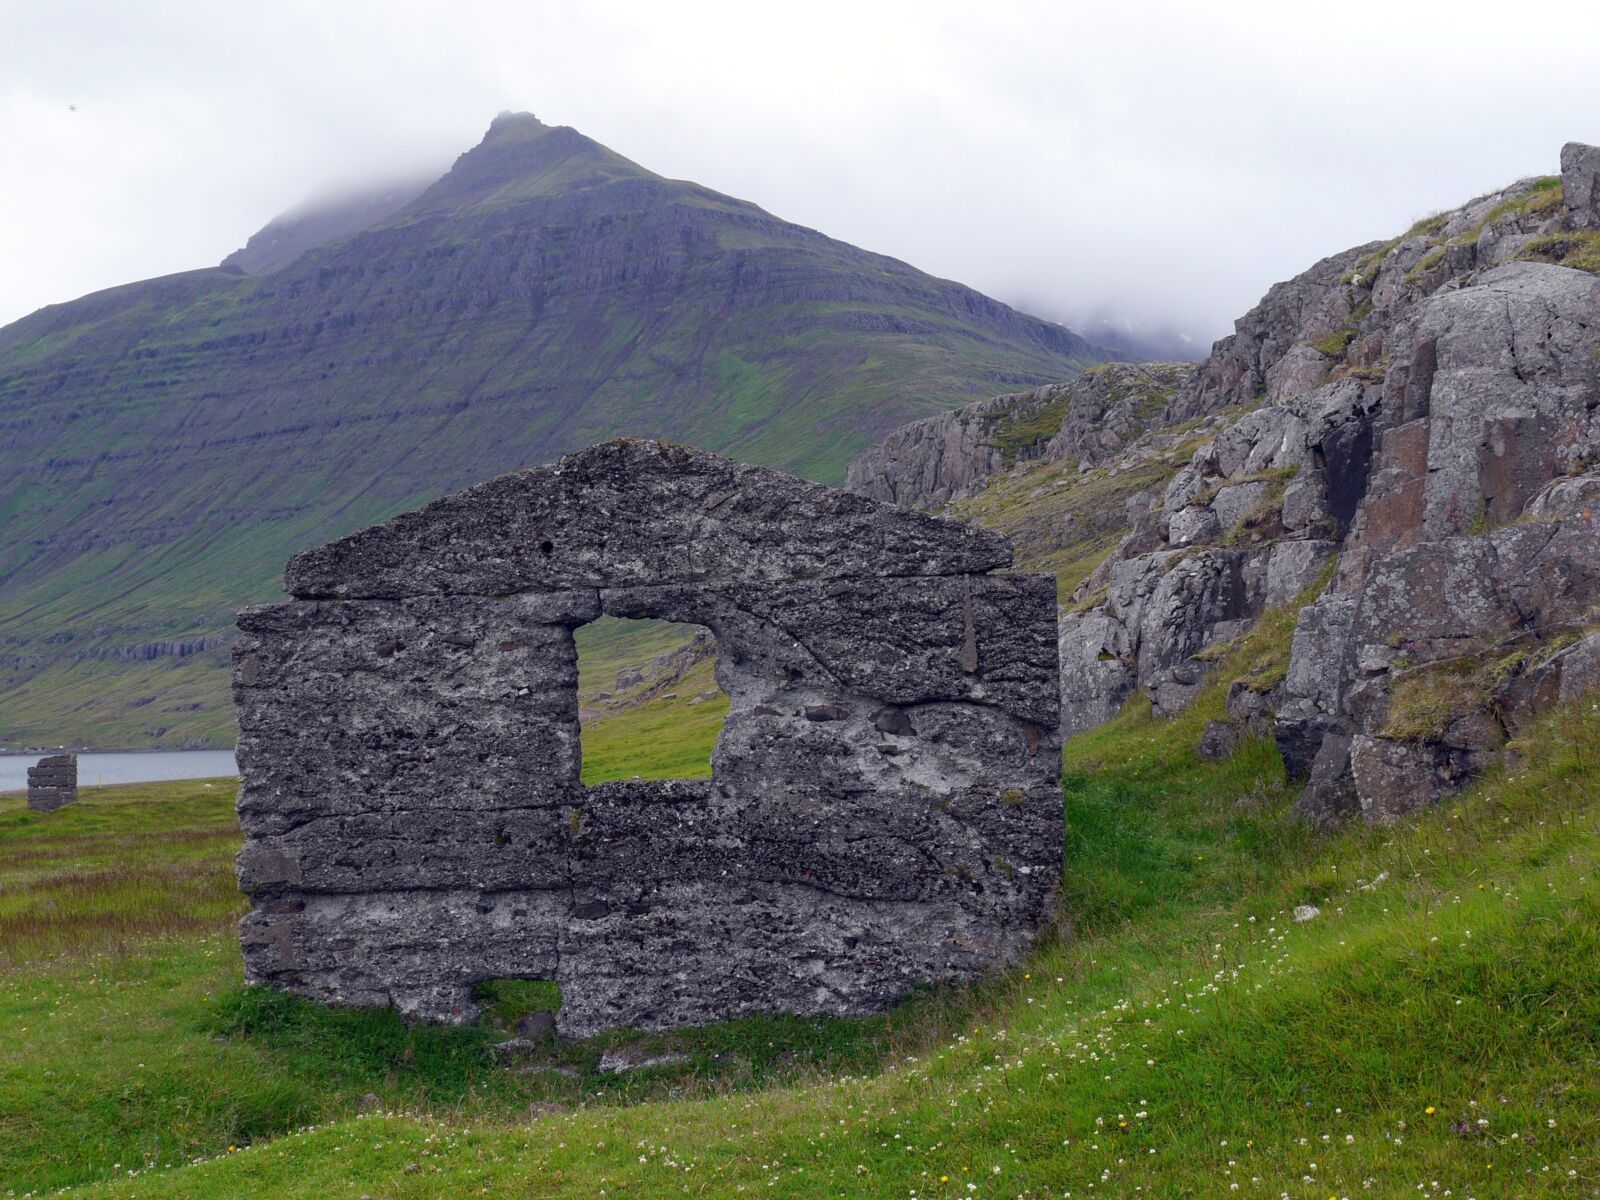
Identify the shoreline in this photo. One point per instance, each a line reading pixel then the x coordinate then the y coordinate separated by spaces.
pixel 22 793
pixel 109 768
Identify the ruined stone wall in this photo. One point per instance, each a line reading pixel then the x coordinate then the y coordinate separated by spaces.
pixel 884 807
pixel 53 782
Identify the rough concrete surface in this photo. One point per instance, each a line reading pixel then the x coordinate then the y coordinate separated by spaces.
pixel 884 808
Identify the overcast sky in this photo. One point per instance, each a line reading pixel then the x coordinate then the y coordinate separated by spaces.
pixel 1167 161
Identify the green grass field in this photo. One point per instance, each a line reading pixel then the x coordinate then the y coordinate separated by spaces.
pixel 667 737
pixel 1434 1031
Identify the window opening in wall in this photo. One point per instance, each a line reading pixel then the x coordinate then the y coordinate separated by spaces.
pixel 648 702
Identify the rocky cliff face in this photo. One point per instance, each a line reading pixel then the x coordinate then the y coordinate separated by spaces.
pixel 951 455
pixel 1404 441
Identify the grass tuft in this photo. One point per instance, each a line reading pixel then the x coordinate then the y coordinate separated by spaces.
pixel 1579 248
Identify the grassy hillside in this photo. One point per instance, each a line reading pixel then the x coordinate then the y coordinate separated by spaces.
pixel 1435 1029
pixel 167 445
pixel 646 731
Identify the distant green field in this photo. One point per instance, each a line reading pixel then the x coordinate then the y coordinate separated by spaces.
pixel 661 739
pixel 1436 1028
pixel 669 737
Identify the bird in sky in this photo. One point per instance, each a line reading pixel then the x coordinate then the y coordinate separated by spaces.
pixel 72 108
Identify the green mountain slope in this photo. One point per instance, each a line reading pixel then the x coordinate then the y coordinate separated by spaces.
pixel 166 445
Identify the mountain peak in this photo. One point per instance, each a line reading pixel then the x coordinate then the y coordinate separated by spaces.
pixel 521 158
pixel 509 151
pixel 508 124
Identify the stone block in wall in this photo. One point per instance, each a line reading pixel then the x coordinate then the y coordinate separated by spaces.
pixel 372 706
pixel 53 782
pixel 631 513
pixel 902 641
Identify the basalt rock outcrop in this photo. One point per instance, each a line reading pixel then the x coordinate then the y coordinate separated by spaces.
pixel 1427 415
pixel 883 810
pixel 1404 440
pixel 948 456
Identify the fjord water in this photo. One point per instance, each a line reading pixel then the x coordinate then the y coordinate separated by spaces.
pixel 141 767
